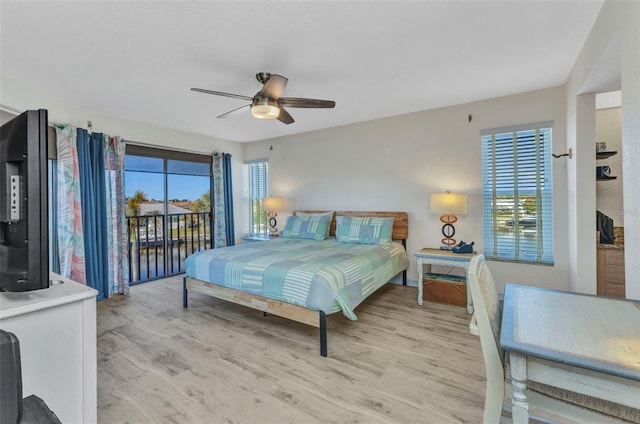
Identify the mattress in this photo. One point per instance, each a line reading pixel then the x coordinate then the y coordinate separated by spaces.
pixel 323 275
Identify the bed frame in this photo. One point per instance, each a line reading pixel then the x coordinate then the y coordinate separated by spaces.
pixel 297 313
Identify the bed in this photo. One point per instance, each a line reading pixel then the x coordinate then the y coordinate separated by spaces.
pixel 305 279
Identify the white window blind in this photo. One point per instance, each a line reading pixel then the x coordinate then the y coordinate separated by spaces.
pixel 517 193
pixel 258 189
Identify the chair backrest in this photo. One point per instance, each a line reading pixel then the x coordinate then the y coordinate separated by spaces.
pixel 10 378
pixel 488 318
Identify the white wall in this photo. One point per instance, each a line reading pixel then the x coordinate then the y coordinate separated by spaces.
pixel 22 97
pixel 5 117
pixel 609 99
pixel 395 164
pixel 617 27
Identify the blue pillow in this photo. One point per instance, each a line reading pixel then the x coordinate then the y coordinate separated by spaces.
pixel 329 214
pixel 314 227
pixel 364 230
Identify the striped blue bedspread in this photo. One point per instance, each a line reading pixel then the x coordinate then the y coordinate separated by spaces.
pixel 323 275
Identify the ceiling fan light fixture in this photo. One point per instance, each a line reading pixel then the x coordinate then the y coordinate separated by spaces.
pixel 268 103
pixel 265 109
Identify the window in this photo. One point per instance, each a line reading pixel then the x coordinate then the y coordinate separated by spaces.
pixel 169 217
pixel 258 188
pixel 517 192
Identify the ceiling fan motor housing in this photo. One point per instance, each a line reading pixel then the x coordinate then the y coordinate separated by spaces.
pixel 263 77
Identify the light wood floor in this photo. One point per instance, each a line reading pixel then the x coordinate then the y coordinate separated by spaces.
pixel 216 362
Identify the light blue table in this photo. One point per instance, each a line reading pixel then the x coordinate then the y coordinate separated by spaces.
pixel 582 343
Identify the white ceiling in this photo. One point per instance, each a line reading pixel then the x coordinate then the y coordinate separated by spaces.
pixel 137 60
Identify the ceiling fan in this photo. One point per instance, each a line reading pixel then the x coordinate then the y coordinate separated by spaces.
pixel 267 103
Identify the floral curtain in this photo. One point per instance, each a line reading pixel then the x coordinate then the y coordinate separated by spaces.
pixel 114 150
pixel 91 209
pixel 69 209
pixel 223 226
pixel 219 224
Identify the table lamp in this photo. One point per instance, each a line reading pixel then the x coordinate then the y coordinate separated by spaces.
pixel 272 205
pixel 448 205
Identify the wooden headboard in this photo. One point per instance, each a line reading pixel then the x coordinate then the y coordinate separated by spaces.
pixel 400 222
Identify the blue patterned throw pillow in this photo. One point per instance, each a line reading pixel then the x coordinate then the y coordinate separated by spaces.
pixel 314 227
pixel 329 214
pixel 364 230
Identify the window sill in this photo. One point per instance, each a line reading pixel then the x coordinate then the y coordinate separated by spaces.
pixel 521 262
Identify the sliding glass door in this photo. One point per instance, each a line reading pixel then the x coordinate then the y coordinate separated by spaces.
pixel 169 213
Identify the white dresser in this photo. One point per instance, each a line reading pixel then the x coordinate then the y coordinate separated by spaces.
pixel 56 328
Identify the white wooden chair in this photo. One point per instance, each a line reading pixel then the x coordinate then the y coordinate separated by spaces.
pixel 546 403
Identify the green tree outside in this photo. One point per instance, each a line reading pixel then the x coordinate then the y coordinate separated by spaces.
pixel 133 203
pixel 203 204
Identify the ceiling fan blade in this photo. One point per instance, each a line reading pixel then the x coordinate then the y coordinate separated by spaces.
pixel 274 87
pixel 305 103
pixel 235 112
pixel 220 93
pixel 285 117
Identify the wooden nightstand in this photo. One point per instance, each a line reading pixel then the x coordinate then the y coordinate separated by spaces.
pixel 431 256
pixel 258 237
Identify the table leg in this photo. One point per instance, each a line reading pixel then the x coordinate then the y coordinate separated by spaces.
pixel 420 281
pixel 519 401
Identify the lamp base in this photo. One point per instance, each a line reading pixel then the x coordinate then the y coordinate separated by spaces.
pixel 448 242
pixel 448 230
pixel 273 224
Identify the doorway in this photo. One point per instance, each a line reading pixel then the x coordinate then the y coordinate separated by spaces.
pixel 609 195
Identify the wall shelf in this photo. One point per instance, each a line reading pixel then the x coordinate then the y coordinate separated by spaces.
pixel 604 155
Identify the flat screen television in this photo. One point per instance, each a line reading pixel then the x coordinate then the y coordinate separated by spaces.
pixel 24 239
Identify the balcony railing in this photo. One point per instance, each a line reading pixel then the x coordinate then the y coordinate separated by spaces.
pixel 159 245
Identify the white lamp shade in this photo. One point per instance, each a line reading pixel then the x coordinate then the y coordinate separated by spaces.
pixel 272 203
pixel 449 203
